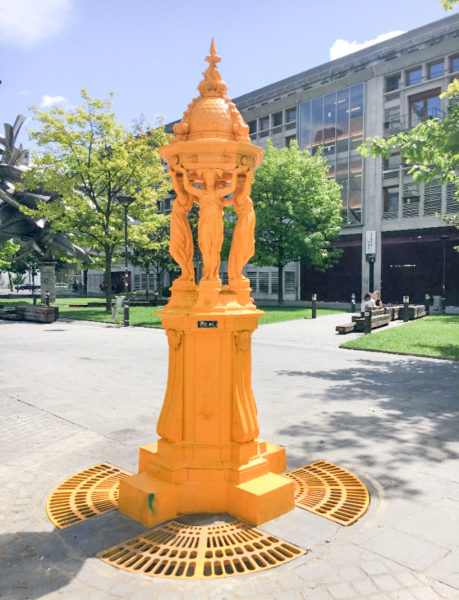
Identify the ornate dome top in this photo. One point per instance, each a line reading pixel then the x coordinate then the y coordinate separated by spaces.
pixel 212 115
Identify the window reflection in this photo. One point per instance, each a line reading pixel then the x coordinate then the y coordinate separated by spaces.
pixel 334 123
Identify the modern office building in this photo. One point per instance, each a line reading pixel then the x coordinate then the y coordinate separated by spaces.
pixel 388 219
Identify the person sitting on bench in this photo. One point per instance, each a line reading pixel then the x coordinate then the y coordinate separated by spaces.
pixel 367 303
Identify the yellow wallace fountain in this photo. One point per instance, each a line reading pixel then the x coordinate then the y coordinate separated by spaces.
pixel 209 457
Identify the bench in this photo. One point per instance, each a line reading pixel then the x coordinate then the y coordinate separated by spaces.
pixel 347 328
pixel 39 314
pixel 379 318
pixel 416 311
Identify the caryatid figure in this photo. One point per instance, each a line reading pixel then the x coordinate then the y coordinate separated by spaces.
pixel 181 238
pixel 210 225
pixel 243 242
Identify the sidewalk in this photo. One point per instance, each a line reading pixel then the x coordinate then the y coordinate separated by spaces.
pixel 75 394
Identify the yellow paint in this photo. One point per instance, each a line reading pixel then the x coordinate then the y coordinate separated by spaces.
pixel 209 457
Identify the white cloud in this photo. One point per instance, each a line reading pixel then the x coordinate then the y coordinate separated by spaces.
pixel 47 101
pixel 24 23
pixel 343 47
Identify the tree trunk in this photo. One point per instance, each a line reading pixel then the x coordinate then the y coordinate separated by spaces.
pixel 108 279
pixel 147 272
pixel 280 284
pixel 85 281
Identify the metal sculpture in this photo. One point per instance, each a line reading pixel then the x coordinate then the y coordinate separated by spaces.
pixel 32 234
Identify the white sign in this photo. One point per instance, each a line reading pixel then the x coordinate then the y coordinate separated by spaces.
pixel 370 242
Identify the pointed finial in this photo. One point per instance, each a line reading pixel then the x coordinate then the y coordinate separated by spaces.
pixel 213 58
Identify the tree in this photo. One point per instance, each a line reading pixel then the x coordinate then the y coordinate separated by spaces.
pixel 297 209
pixel 430 149
pixel 150 245
pixel 448 4
pixel 7 251
pixel 89 160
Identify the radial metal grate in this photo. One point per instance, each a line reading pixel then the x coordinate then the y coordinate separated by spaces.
pixel 330 491
pixel 87 494
pixel 182 551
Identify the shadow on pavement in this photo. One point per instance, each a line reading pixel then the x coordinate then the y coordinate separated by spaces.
pixel 408 418
pixel 38 563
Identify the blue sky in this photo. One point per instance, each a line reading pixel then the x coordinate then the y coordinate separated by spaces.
pixel 150 53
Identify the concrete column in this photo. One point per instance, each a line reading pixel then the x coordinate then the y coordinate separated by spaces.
pixel 48 280
pixel 372 185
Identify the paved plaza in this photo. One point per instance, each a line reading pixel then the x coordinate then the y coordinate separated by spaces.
pixel 75 394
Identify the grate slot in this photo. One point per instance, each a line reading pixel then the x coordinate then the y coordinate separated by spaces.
pixel 220 551
pixel 330 491
pixel 87 494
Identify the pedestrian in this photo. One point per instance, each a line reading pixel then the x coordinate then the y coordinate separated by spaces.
pixel 367 303
pixel 377 298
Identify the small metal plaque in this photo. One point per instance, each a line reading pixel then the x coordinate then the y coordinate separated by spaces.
pixel 207 324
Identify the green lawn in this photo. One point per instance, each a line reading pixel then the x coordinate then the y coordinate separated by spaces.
pixel 288 313
pixel 144 316
pixel 436 336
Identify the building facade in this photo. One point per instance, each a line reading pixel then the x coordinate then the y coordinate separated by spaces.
pixel 392 238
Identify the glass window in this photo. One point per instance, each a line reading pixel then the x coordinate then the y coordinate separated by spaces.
pixel 277 119
pixel 304 125
pixel 436 69
pixel 290 115
pixel 317 120
pixel 393 162
pixel 263 280
pixel 455 64
pixel 424 106
pixel 263 123
pixel 391 199
pixel 394 82
pixel 355 188
pixel 414 76
pixel 342 120
pixel 252 126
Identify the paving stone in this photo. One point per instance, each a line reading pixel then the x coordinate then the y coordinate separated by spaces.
pixel 291 582
pixel 350 573
pixel 341 591
pixel 374 567
pixel 364 587
pixel 406 549
pixel 423 593
pixel 445 591
pixel 401 595
pixel 386 583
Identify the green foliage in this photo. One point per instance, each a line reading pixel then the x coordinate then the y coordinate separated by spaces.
pixel 448 4
pixel 7 250
pixel 87 160
pixel 297 209
pixel 150 244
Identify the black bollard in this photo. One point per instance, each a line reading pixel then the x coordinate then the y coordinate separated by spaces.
pixel 34 298
pixel 406 314
pixel 126 313
pixel 47 298
pixel 367 322
pixel 314 306
pixel 352 303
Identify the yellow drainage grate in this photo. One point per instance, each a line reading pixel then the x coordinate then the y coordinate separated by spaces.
pixel 87 494
pixel 331 492
pixel 183 551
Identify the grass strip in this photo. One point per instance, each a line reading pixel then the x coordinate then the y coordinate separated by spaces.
pixel 144 316
pixel 435 336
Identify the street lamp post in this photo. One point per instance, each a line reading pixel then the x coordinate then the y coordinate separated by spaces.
pixel 444 238
pixel 125 202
